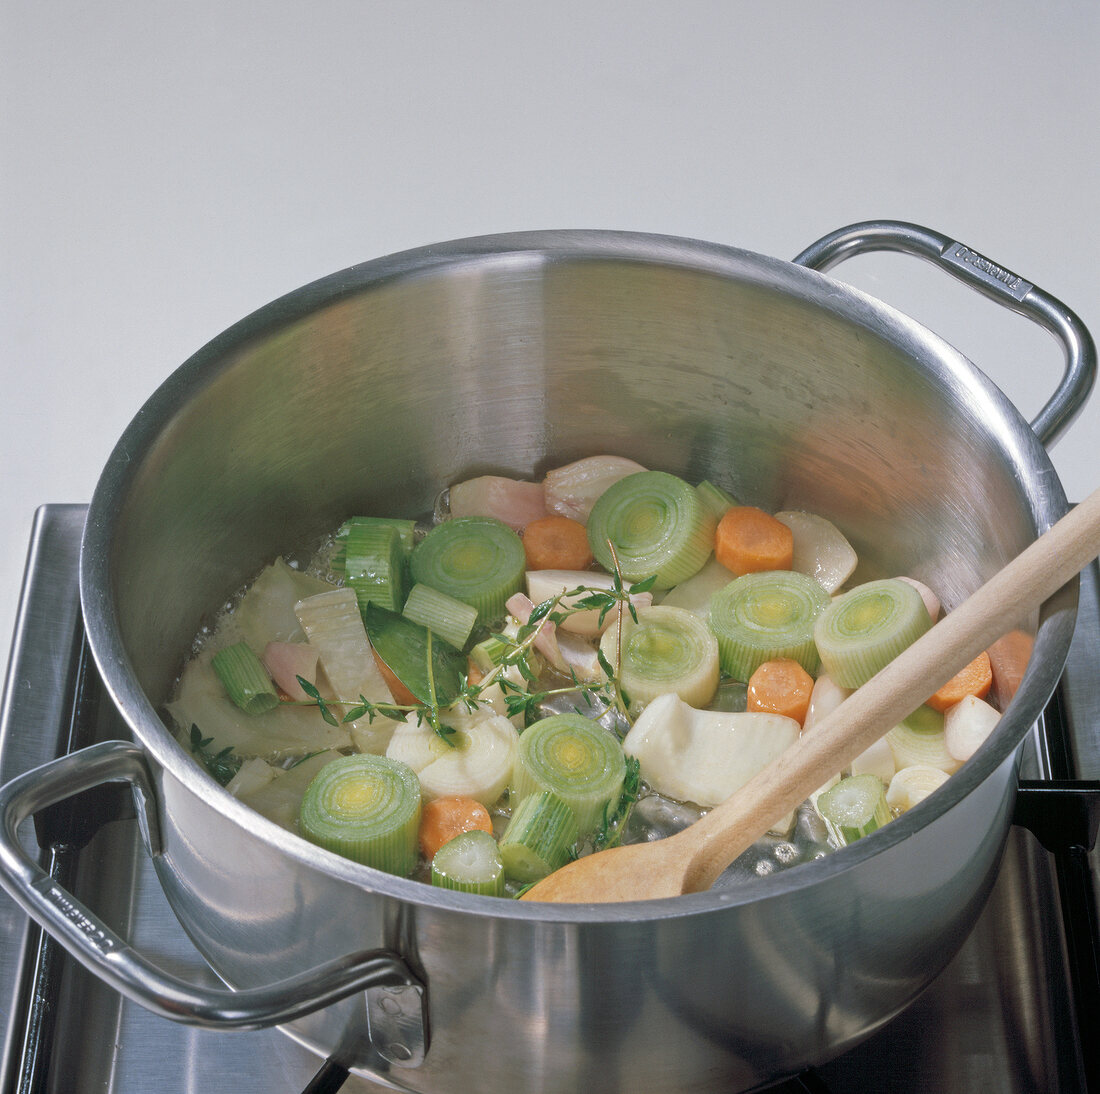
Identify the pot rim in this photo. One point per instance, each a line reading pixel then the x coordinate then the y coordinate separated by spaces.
pixel 1045 497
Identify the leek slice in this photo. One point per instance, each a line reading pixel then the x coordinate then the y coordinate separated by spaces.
pixel 855 807
pixel 762 616
pixel 575 759
pixel 470 863
pixel 539 837
pixel 443 615
pixel 245 679
pixel 668 650
pixel 366 808
pixel 374 566
pixel 477 560
pixel 920 739
pixel 656 524
pixel 863 630
pixel 820 548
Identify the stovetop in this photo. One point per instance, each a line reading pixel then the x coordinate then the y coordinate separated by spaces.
pixel 1005 1016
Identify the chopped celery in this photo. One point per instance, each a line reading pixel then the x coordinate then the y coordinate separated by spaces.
pixel 715 498
pixel 655 524
pixel 245 679
pixel 539 837
pixel 374 566
pixel 854 807
pixel 470 863
pixel 406 530
pixel 450 619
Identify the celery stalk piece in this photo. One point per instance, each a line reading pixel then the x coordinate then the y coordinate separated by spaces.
pixel 245 679
pixel 762 616
pixel 539 837
pixel 406 531
pixel 470 863
pixel 451 619
pixel 651 523
pixel 477 560
pixel 863 630
pixel 575 759
pixel 374 566
pixel 666 650
pixel 715 498
pixel 366 808
pixel 854 807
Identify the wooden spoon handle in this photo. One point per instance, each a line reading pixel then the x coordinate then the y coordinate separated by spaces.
pixel 894 693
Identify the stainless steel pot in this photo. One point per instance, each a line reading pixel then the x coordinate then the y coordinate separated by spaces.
pixel 368 390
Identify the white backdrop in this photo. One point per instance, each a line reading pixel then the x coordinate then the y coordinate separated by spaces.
pixel 166 168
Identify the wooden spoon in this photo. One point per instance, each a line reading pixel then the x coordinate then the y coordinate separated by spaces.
pixel 691 860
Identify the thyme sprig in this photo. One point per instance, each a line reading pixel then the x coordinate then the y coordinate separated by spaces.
pixel 221 765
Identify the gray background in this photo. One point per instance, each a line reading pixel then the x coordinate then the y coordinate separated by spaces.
pixel 167 168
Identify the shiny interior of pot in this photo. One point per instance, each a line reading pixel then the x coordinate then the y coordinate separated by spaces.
pixel 371 390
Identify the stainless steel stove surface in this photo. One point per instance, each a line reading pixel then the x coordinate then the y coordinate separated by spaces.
pixel 1005 1016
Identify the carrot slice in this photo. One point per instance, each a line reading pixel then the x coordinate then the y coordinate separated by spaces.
pixel 748 541
pixel 976 679
pixel 556 543
pixel 781 686
pixel 444 818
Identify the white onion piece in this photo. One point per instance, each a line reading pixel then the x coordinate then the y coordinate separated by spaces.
pixel 546 584
pixel 826 696
pixel 511 501
pixel 286 661
pixel 703 756
pixel 251 776
pixel 876 759
pixel 912 785
pixel 693 595
pixel 967 724
pixel 572 490
pixel 931 601
pixel 820 548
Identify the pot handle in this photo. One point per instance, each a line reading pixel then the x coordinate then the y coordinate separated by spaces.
pixel 993 281
pixel 395 1006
